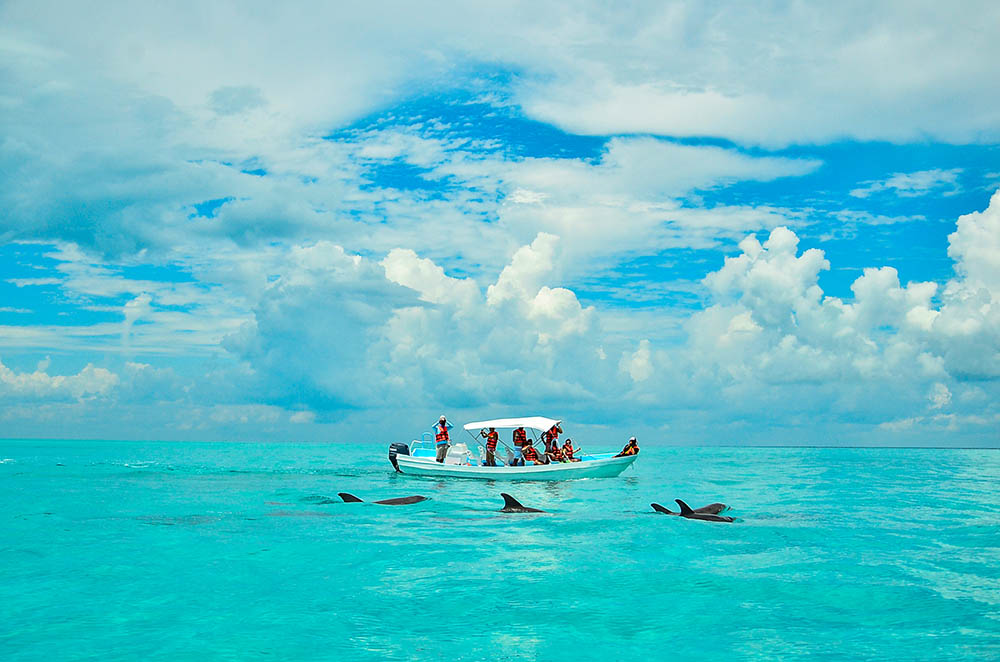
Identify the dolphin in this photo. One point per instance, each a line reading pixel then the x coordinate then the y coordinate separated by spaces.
pixel 707 513
pixel 512 505
pixel 711 509
pixel 398 501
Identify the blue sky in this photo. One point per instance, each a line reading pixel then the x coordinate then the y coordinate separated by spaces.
pixel 702 224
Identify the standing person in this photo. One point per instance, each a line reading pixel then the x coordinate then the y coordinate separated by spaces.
pixel 492 437
pixel 441 438
pixel 520 438
pixel 551 438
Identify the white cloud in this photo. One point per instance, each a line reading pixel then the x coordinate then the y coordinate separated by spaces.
pixel 914 184
pixel 807 73
pixel 975 247
pixel 90 382
pixel 302 417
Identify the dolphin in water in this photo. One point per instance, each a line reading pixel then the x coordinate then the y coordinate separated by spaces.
pixel 398 501
pixel 709 513
pixel 512 505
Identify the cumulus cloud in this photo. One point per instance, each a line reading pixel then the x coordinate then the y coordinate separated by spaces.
pixel 337 330
pixel 90 382
pixel 771 339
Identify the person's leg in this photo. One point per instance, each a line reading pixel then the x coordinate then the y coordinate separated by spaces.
pixel 442 451
pixel 491 460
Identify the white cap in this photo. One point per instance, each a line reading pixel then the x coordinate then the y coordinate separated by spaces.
pixel 442 418
pixel 631 438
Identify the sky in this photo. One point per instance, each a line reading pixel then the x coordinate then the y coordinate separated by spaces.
pixel 700 223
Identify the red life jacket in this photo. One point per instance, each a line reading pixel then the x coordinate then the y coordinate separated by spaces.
pixel 519 436
pixel 491 440
pixel 530 453
pixel 441 436
pixel 567 450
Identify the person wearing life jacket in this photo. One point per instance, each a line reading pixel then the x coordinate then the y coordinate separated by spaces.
pixel 556 454
pixel 530 454
pixel 568 450
pixel 631 448
pixel 551 437
pixel 491 437
pixel 441 438
pixel 520 438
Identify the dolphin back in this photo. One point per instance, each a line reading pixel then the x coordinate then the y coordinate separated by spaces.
pixel 510 503
pixel 402 501
pixel 685 509
pixel 348 498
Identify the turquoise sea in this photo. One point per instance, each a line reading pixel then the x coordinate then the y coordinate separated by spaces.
pixel 232 551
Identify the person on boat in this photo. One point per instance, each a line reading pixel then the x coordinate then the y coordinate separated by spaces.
pixel 520 438
pixel 441 438
pixel 631 448
pixel 568 451
pixel 555 455
pixel 551 437
pixel 530 454
pixel 491 437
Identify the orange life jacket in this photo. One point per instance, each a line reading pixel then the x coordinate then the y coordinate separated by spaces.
pixel 519 436
pixel 530 453
pixel 491 440
pixel 567 450
pixel 441 436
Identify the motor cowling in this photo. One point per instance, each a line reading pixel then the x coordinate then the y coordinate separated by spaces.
pixel 397 449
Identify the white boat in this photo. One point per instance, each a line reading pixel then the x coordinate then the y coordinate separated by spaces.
pixel 418 457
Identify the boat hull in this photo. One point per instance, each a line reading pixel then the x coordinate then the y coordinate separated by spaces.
pixel 599 467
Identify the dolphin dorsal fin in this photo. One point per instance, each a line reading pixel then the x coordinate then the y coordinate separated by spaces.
pixel 685 509
pixel 348 498
pixel 509 501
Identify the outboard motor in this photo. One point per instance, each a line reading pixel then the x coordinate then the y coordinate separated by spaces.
pixel 397 449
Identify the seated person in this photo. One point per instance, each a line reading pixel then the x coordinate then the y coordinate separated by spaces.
pixel 555 454
pixel 568 451
pixel 530 454
pixel 631 448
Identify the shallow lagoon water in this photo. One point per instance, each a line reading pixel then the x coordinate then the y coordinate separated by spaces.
pixel 238 551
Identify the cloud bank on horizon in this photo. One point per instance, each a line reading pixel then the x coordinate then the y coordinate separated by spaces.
pixel 720 224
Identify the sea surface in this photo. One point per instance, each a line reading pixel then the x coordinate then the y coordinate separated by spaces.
pixel 242 551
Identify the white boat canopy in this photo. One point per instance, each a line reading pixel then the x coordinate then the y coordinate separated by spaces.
pixel 539 423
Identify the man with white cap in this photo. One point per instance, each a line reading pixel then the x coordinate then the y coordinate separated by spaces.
pixel 441 438
pixel 631 448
